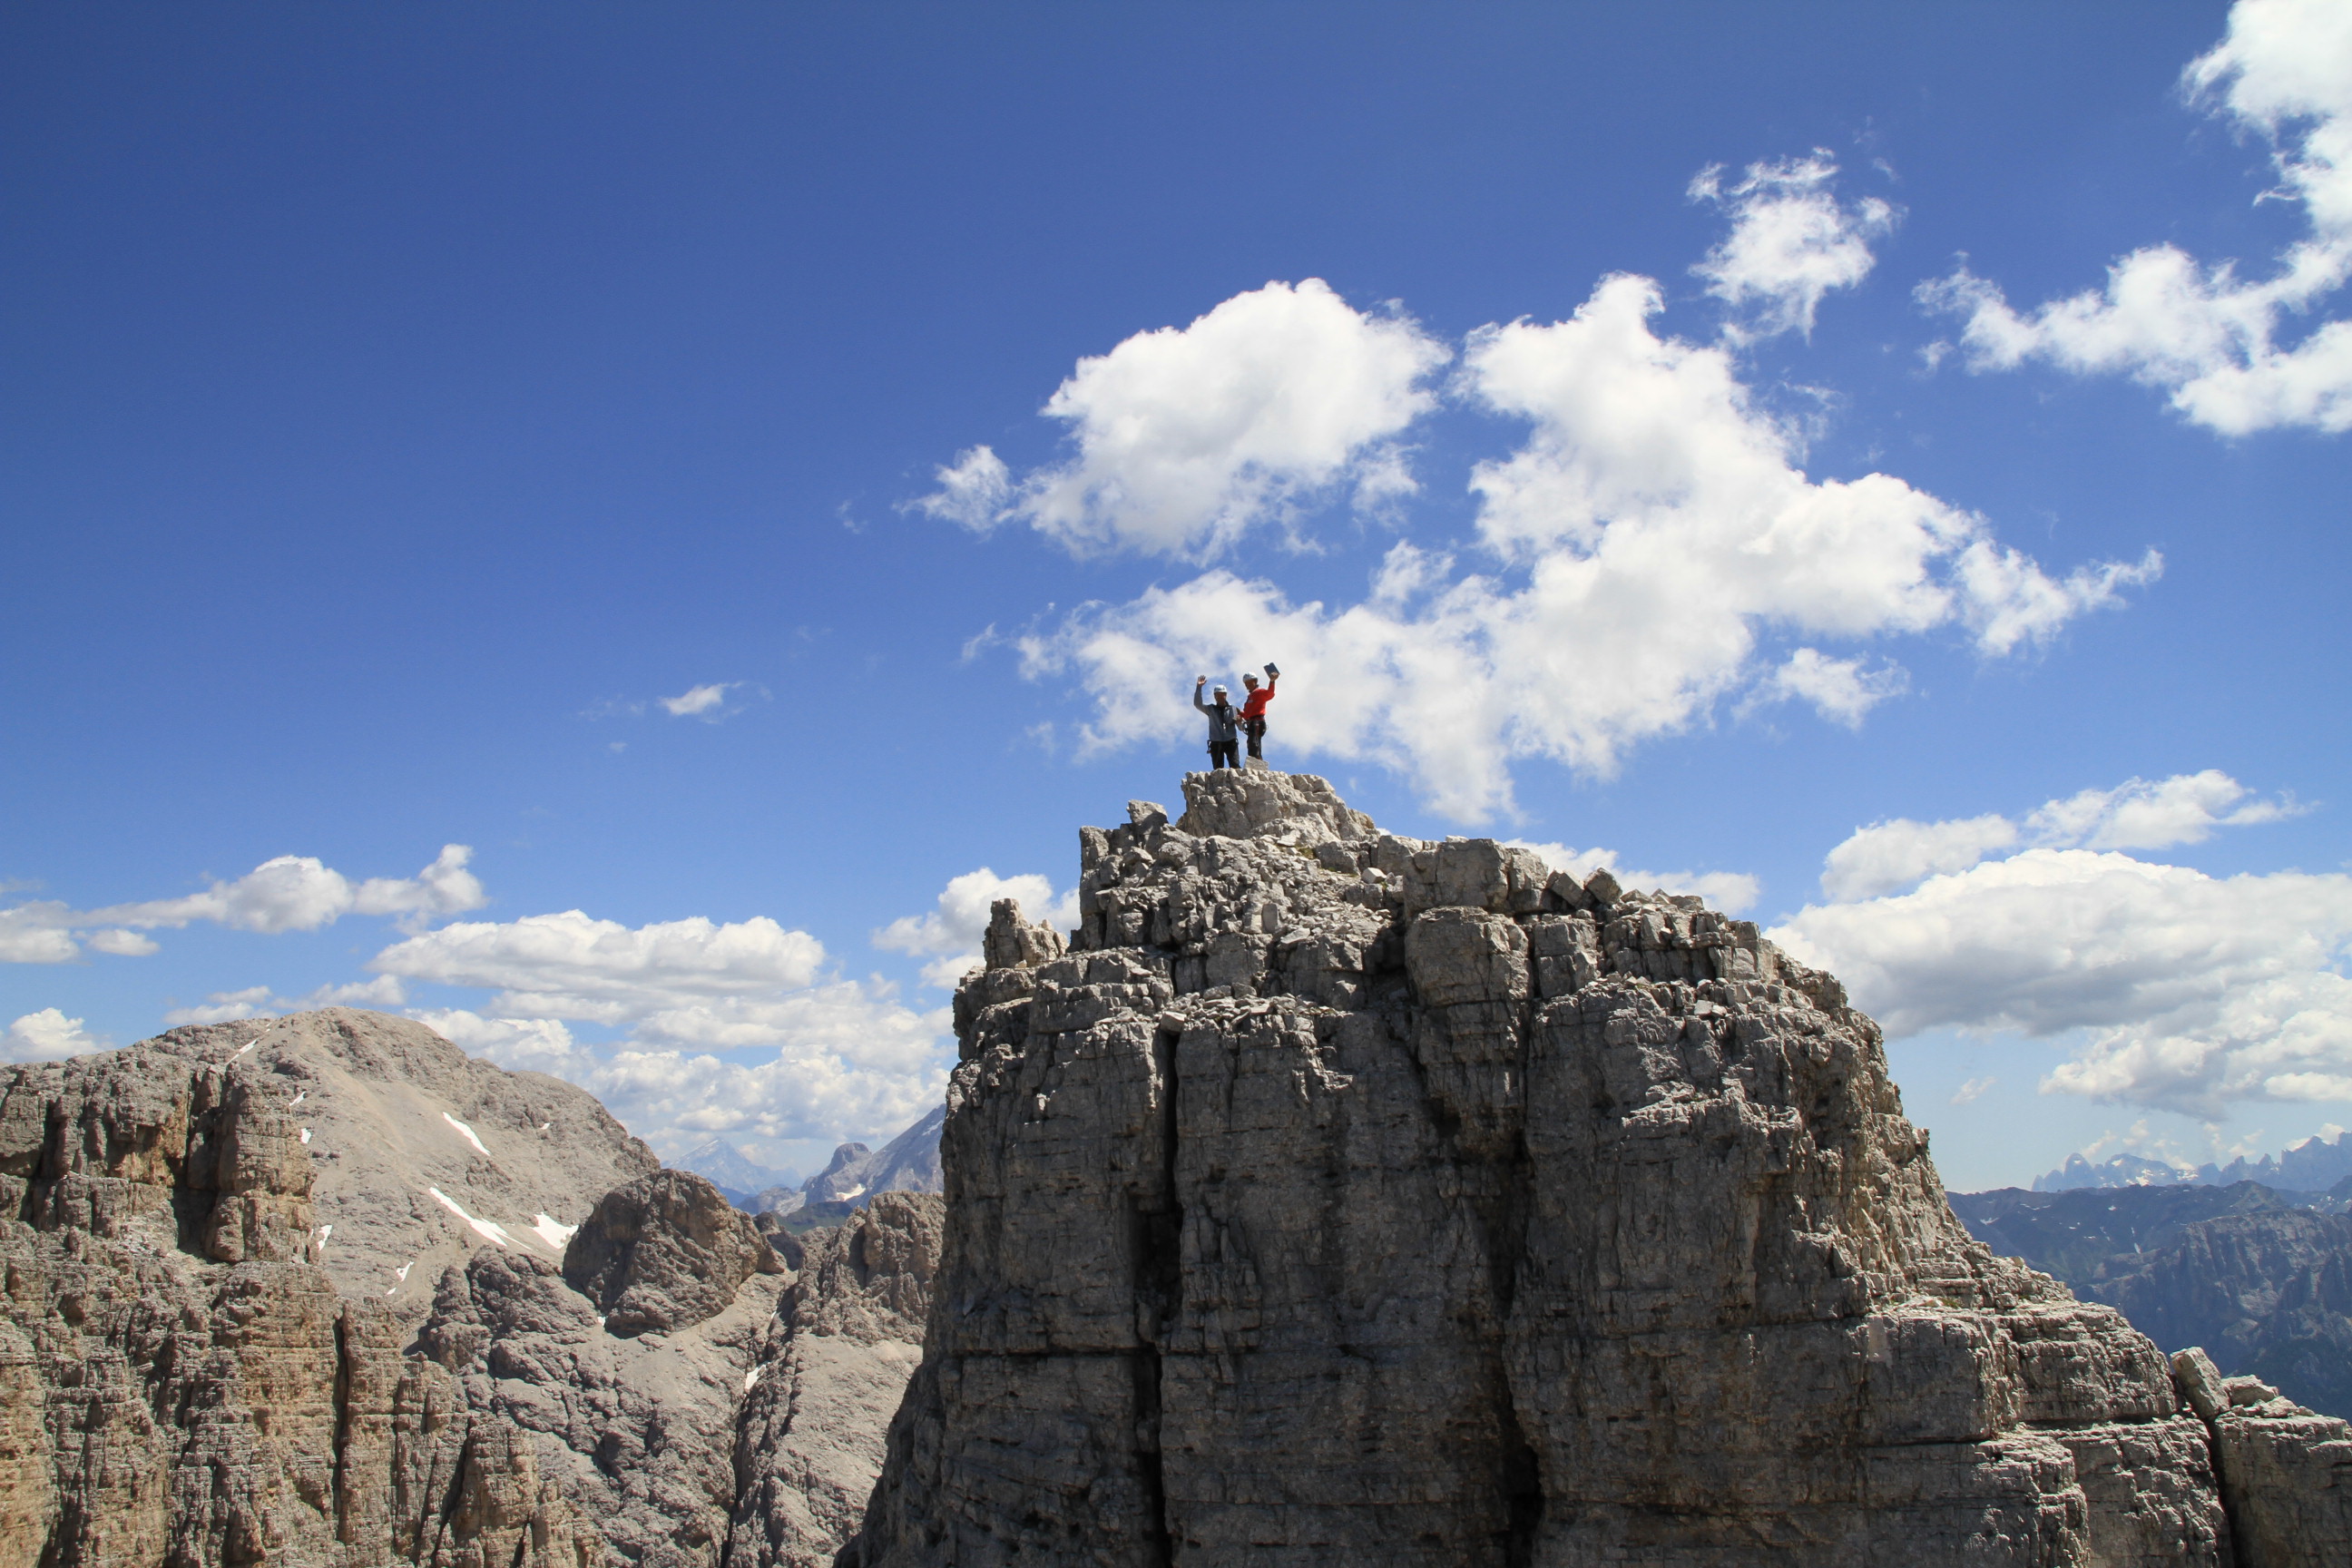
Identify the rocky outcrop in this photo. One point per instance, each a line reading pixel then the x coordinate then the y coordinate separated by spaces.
pixel 637 1430
pixel 1339 1197
pixel 2286 1473
pixel 417 1154
pixel 219 1344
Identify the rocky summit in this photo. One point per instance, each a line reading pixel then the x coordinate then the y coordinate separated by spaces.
pixel 1328 1197
pixel 1334 1197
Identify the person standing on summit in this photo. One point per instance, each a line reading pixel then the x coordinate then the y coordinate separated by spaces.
pixel 1254 710
pixel 1224 725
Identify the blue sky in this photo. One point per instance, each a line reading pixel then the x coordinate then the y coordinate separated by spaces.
pixel 737 471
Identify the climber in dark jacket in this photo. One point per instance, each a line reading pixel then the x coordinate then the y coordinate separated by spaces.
pixel 1224 727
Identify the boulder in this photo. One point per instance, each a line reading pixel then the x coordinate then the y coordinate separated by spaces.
pixel 665 1252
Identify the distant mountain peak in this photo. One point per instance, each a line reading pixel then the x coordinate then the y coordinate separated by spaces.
pixel 730 1170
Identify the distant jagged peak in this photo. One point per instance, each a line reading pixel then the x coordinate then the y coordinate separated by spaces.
pixel 2313 1164
pixel 731 1171
pixel 2118 1171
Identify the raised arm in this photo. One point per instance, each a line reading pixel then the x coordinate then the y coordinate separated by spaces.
pixel 1196 694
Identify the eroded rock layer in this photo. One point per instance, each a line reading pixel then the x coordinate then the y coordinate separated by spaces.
pixel 184 1382
pixel 1344 1199
pixel 322 1291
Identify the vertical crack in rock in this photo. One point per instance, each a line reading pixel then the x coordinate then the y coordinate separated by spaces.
pixel 1523 1492
pixel 343 1419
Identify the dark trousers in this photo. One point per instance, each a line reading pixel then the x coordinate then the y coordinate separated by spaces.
pixel 1224 755
pixel 1255 730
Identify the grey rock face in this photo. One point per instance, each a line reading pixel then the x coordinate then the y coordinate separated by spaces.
pixel 638 1431
pixel 1341 1197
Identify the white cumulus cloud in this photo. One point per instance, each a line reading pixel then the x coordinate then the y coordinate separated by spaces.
pixel 2136 814
pixel 949 934
pixel 519 1044
pixel 40 932
pixel 300 892
pixel 1654 530
pixel 2140 815
pixel 2190 991
pixel 734 1028
pixel 568 965
pixel 1890 855
pixel 848 1059
pixel 120 943
pixel 1791 242
pixel 975 490
pixel 2216 342
pixel 2173 988
pixel 1188 437
pixel 1843 691
pixel 48 1036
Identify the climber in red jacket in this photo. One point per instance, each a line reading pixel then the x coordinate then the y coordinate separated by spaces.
pixel 1254 710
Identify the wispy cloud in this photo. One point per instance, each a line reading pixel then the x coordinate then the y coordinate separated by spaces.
pixel 709 702
pixel 1791 243
pixel 698 701
pixel 1973 1090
